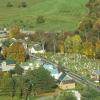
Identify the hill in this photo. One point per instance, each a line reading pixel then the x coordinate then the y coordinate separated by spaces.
pixel 59 15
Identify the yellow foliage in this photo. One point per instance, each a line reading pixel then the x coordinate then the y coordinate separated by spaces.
pixel 14 32
pixel 62 49
pixel 76 39
pixel 98 44
pixel 17 52
pixel 88 49
pixel 10 35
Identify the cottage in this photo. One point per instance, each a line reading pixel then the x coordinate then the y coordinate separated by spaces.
pixel 5 67
pixel 53 70
pixel 36 48
pixel 66 82
pixel 3 34
pixel 96 75
pixel 33 64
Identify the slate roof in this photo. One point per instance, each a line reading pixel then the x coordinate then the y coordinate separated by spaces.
pixel 52 69
pixel 64 78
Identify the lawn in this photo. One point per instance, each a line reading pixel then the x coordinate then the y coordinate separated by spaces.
pixel 59 15
pixel 16 98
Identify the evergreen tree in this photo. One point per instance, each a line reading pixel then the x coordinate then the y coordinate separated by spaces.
pixel 41 80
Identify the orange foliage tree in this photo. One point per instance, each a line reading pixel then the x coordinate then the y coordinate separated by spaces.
pixel 16 52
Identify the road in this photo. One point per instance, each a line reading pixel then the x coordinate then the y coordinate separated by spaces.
pixel 75 76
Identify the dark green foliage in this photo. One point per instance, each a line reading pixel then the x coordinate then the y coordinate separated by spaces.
pixel 90 94
pixel 40 19
pixel 90 23
pixel 9 4
pixel 67 96
pixel 23 4
pixel 7 42
pixel 41 80
pixel 18 69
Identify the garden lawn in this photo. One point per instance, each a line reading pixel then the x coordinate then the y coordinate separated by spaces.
pixel 16 98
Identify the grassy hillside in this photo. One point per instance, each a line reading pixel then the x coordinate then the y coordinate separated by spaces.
pixel 60 15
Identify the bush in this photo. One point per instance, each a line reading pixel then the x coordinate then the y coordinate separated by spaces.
pixel 23 4
pixel 40 19
pixel 67 96
pixel 9 4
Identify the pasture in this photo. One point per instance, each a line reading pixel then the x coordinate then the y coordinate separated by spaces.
pixel 59 15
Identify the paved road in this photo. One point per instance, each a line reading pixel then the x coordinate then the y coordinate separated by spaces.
pixel 75 76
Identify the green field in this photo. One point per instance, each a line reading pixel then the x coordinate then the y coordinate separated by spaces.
pixel 60 15
pixel 16 98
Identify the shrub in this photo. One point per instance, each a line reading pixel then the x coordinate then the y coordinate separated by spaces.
pixel 23 4
pixel 9 4
pixel 40 19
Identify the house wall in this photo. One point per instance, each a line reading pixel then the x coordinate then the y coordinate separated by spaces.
pixel 67 86
pixel 95 77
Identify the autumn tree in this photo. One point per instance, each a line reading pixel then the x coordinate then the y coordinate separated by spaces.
pixel 73 43
pixel 76 43
pixel 97 49
pixel 96 27
pixel 85 27
pixel 17 52
pixel 68 44
pixel 93 6
pixel 90 21
pixel 14 32
pixel 88 49
pixel 5 51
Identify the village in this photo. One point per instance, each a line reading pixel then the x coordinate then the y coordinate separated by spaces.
pixel 61 68
pixel 49 49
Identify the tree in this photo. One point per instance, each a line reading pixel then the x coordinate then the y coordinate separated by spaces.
pixel 85 27
pixel 76 41
pixel 7 42
pixel 90 94
pixel 68 44
pixel 96 27
pixel 14 32
pixel 42 38
pixel 89 23
pixel 41 80
pixel 9 4
pixel 16 52
pixel 93 6
pixel 40 19
pixel 28 88
pixel 67 96
pixel 18 69
pixel 7 85
pixel 23 4
pixel 97 49
pixel 88 49
pixel 5 51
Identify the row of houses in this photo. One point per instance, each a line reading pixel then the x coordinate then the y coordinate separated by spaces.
pixel 64 80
